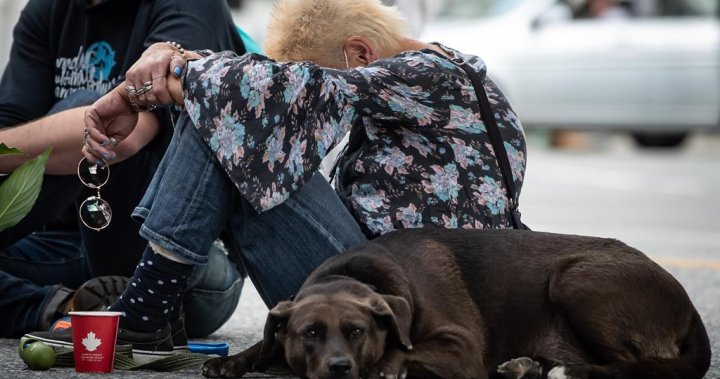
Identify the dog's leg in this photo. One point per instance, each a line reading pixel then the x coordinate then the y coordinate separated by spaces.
pixel 521 368
pixel 431 359
pixel 630 314
pixel 390 366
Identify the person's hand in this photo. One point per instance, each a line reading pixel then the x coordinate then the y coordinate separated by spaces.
pixel 108 122
pixel 151 71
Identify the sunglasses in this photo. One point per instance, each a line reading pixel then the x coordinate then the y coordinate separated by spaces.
pixel 95 212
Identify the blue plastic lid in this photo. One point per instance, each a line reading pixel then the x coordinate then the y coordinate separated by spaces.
pixel 219 348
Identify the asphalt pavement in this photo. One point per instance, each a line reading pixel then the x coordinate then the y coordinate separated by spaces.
pixel 241 331
pixel 664 203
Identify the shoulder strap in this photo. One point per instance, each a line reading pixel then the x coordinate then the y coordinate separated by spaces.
pixel 496 139
pixel 356 138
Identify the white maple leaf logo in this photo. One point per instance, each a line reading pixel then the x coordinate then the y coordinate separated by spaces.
pixel 90 342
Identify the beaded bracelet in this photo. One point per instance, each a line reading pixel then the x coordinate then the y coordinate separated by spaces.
pixel 177 70
pixel 177 46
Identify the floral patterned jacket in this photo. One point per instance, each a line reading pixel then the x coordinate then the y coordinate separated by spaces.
pixel 425 157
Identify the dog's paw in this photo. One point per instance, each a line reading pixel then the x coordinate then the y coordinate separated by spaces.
pixel 390 366
pixel 388 375
pixel 570 371
pixel 562 372
pixel 226 367
pixel 520 368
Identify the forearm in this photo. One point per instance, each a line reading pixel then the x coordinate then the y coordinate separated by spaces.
pixel 64 132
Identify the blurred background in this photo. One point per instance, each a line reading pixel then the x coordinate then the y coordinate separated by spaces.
pixel 649 68
pixel 620 101
pixel 646 69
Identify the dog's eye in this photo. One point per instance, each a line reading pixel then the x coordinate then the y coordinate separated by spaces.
pixel 310 334
pixel 355 333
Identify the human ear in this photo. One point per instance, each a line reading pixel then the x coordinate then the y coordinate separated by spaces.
pixel 360 51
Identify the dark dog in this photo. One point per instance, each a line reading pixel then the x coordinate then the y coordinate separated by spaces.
pixel 431 303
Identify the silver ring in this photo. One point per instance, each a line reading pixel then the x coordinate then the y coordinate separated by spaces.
pixel 148 83
pixel 157 77
pixel 129 88
pixel 134 105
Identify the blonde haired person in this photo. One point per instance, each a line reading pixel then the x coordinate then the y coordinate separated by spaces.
pixel 322 32
pixel 245 154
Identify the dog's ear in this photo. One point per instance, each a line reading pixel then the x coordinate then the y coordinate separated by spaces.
pixel 275 326
pixel 397 311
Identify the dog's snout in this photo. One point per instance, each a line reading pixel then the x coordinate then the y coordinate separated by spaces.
pixel 339 365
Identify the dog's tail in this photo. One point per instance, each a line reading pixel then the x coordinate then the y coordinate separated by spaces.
pixel 692 362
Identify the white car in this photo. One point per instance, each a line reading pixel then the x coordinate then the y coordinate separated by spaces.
pixel 652 69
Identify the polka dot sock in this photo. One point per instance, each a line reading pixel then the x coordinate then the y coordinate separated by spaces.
pixel 152 293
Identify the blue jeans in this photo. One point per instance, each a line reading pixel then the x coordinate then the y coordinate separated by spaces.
pixel 191 201
pixel 48 258
pixel 35 263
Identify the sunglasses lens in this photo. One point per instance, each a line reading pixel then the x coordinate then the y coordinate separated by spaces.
pixel 93 175
pixel 95 213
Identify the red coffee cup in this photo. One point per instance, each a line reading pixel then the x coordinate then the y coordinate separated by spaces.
pixel 94 336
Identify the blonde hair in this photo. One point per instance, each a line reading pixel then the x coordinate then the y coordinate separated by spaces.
pixel 315 30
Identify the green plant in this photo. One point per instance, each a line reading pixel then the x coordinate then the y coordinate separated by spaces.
pixel 19 192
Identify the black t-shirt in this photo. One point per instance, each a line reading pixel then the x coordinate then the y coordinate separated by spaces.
pixel 60 46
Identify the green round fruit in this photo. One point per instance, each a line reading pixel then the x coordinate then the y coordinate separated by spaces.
pixel 37 355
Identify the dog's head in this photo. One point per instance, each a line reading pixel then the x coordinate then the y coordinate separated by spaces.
pixel 337 329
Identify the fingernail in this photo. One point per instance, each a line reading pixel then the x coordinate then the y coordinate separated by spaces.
pixel 105 143
pixel 105 155
pixel 177 70
pixel 98 162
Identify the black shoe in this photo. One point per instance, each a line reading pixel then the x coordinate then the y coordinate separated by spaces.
pixel 179 336
pixel 146 347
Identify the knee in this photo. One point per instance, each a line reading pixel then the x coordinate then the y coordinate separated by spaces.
pixel 208 310
pixel 219 274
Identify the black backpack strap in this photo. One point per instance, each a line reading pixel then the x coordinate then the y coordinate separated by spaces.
pixel 356 138
pixel 493 130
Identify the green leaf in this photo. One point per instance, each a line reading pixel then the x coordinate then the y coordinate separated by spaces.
pixel 19 192
pixel 4 149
